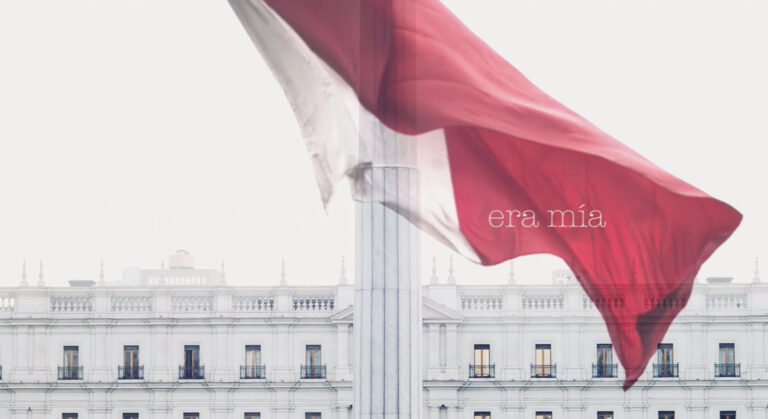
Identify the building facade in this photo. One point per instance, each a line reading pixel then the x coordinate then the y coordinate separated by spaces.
pixel 181 343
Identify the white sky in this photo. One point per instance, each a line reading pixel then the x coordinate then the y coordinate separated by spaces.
pixel 129 129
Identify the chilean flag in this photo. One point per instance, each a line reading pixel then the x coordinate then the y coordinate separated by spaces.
pixel 489 146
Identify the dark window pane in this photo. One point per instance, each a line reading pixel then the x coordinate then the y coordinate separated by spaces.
pixel 313 355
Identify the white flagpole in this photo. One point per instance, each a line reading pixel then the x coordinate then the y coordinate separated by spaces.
pixel 388 324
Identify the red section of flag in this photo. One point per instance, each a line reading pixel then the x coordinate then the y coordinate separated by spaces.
pixel 511 147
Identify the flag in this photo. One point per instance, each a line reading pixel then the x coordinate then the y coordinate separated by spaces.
pixel 505 170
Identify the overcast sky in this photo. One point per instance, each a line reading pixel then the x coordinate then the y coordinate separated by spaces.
pixel 129 129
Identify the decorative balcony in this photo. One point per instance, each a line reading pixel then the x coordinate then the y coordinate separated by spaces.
pixel 7 303
pixel 482 302
pixel 543 370
pixel 132 303
pixel 192 303
pixel 203 293
pixel 482 371
pixel 728 370
pixel 668 370
pixel 253 303
pixel 130 373
pixel 313 371
pixel 187 372
pixel 605 370
pixel 542 302
pixel 252 372
pixel 70 373
pixel 314 303
pixel 71 304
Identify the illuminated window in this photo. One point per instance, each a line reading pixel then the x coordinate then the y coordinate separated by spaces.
pixel 482 362
pixel 666 366
pixel 727 361
pixel 605 366
pixel 543 366
pixel 252 367
pixel 131 369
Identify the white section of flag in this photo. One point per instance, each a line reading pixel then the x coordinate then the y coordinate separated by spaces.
pixel 330 118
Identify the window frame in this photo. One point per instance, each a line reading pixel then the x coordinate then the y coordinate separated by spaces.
pixel 543 359
pixel 482 366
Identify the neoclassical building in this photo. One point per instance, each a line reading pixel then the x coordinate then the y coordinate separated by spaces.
pixel 179 342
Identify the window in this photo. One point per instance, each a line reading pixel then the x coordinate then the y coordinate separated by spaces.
pixel 71 355
pixel 70 369
pixel 192 415
pixel 730 414
pixel 543 366
pixel 543 415
pixel 131 368
pixel 192 368
pixel 252 367
pixel 313 355
pixel 69 416
pixel 666 366
pixel 605 366
pixel 313 367
pixel 665 354
pixel 604 415
pixel 130 416
pixel 482 362
pixel 482 415
pixel 727 366
pixel 252 415
pixel 312 415
pixel 666 415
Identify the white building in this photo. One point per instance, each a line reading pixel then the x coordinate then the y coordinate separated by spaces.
pixel 180 343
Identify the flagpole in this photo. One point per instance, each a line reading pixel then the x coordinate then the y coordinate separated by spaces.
pixel 387 321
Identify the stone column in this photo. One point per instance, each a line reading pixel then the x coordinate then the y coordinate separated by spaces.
pixel 434 351
pixel 452 368
pixel 342 352
pixel 388 323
